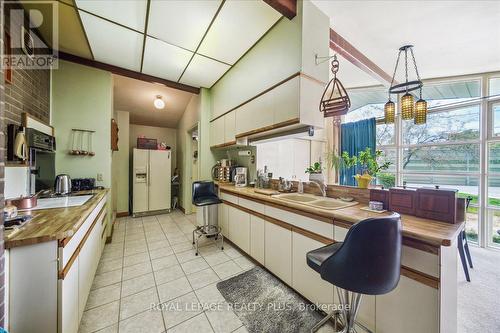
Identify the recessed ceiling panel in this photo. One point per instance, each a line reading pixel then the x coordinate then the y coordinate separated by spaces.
pixel 130 13
pixel 113 44
pixel 237 28
pixel 182 23
pixel 203 72
pixel 164 60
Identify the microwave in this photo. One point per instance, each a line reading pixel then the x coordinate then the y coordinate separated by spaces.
pixel 41 152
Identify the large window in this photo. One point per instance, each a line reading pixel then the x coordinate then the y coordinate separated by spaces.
pixel 458 147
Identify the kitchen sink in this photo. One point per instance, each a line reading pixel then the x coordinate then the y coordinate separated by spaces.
pixel 315 201
pixel 302 198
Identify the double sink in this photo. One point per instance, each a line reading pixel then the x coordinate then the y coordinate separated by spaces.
pixel 315 201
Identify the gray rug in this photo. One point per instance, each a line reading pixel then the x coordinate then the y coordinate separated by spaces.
pixel 265 304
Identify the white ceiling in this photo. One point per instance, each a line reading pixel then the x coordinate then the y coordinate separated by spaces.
pixel 136 97
pixel 450 37
pixel 192 42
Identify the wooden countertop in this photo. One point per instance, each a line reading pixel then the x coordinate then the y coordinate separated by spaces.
pixel 52 224
pixel 425 230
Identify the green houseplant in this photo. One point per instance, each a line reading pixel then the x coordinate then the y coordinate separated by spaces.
pixel 315 172
pixel 368 162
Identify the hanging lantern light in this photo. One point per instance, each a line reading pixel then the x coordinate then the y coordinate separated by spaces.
pixel 389 112
pixel 335 101
pixel 420 111
pixel 408 107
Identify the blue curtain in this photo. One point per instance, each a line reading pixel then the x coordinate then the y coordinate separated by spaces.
pixel 355 137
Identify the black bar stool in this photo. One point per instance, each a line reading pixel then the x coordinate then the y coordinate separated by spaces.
pixel 204 195
pixel 368 262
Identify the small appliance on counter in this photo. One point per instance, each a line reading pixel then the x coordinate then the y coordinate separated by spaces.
pixel 223 171
pixel 240 177
pixel 82 184
pixel 62 184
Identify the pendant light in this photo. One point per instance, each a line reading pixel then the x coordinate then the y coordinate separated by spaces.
pixel 335 101
pixel 409 110
pixel 158 102
pixel 420 111
pixel 389 111
pixel 407 107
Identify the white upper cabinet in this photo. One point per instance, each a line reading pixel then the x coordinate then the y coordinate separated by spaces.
pixel 230 127
pixel 286 101
pixel 217 132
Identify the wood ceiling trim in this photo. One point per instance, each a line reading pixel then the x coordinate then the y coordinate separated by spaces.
pixel 83 28
pixel 202 38
pixel 287 8
pixel 128 73
pixel 358 59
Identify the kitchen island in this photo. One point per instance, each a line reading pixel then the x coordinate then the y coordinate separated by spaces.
pixel 278 234
pixel 50 265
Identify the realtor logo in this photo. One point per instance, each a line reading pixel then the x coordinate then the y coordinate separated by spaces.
pixel 31 29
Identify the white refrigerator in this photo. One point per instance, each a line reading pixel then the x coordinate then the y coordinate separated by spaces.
pixel 151 180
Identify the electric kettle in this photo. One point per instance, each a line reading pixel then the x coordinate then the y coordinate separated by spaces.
pixel 62 185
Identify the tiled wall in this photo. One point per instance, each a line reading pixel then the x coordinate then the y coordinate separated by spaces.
pixel 2 160
pixel 29 92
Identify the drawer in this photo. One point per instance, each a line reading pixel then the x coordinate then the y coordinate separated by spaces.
pixel 252 205
pixel 318 227
pixel 67 250
pixel 421 261
pixel 229 197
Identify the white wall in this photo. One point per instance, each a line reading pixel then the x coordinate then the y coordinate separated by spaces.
pixel 285 158
pixel 161 134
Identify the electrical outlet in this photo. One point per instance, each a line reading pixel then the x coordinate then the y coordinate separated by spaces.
pixel 99 177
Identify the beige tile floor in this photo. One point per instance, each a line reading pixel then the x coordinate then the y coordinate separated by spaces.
pixel 151 261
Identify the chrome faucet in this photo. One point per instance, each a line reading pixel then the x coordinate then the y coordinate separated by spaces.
pixel 321 185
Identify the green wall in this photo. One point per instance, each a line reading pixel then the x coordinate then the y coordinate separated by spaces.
pixel 121 162
pixel 82 97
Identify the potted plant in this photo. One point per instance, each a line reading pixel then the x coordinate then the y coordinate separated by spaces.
pixel 368 162
pixel 315 172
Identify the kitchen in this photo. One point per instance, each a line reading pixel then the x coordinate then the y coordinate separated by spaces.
pixel 302 139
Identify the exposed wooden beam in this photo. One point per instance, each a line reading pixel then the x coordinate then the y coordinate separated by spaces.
pixel 358 59
pixel 287 8
pixel 127 72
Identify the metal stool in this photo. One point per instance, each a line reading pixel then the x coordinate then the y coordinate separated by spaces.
pixel 204 195
pixel 368 262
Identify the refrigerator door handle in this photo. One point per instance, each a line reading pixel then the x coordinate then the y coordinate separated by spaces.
pixel 149 174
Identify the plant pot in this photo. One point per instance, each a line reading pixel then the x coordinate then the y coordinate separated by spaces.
pixel 317 177
pixel 363 180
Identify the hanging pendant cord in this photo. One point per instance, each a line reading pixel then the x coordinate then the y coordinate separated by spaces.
pixel 406 69
pixel 416 69
pixel 394 74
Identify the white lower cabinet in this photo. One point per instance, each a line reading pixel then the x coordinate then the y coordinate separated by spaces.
pixel 223 219
pixel 278 251
pixel 239 228
pixel 68 302
pixel 305 280
pixel 257 240
pixel 419 312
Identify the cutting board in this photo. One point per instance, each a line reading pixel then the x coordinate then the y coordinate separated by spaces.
pixel 266 191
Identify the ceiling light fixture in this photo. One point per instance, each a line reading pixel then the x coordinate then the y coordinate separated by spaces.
pixel 158 102
pixel 409 110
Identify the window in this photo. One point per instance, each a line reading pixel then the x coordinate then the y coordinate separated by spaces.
pixel 447 150
pixel 458 125
pixel 494 86
pixel 495 110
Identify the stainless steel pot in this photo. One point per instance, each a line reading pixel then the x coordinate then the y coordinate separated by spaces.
pixel 62 184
